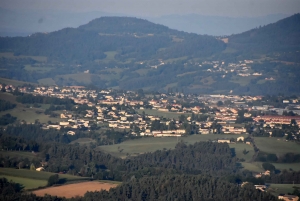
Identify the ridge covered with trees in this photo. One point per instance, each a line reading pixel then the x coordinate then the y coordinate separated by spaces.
pixel 129 37
pixel 123 51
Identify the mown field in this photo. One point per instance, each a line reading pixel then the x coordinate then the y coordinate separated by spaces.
pixel 73 190
pixel 151 144
pixel 276 145
pixel 34 179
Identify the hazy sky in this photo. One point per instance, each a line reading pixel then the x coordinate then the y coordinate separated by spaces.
pixel 232 8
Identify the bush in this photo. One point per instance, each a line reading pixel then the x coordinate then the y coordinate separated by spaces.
pixel 53 179
pixel 268 166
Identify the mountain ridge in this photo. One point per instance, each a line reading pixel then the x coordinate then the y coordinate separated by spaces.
pixel 131 53
pixel 26 22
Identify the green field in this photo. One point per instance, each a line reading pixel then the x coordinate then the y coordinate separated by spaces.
pixel 257 166
pixel 175 59
pixel 84 78
pixel 151 144
pixel 14 82
pixel 276 145
pixel 277 189
pixel 29 115
pixel 229 50
pixel 37 69
pixel 19 154
pixel 253 167
pixel 26 182
pixel 83 141
pixel 47 81
pixel 24 113
pixel 168 115
pixel 10 55
pixel 110 56
pixel 240 147
pixel 243 81
pixel 142 71
pixel 33 179
pixel 287 166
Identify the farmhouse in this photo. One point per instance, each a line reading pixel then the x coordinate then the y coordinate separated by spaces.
pixel 40 169
pixel 224 141
pixel 64 123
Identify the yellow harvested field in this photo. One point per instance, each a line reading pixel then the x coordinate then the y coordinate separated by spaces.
pixel 73 190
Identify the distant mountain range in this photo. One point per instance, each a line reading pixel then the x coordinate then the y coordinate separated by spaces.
pixel 26 22
pixel 132 53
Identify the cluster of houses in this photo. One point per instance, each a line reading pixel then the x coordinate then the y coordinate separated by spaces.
pixel 105 107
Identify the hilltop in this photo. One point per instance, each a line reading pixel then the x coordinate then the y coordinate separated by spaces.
pixel 280 37
pixel 131 53
pixel 130 38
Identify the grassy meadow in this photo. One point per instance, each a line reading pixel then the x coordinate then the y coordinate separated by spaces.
pixel 46 81
pixel 37 69
pixel 276 145
pixel 10 55
pixel 19 154
pixel 253 167
pixel 277 189
pixel 240 147
pixel 14 82
pixel 34 179
pixel 83 141
pixel 27 183
pixel 29 114
pixel 257 166
pixel 151 144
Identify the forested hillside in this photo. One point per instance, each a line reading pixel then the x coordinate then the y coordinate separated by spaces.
pixel 54 148
pixel 131 38
pixel 131 53
pixel 167 187
pixel 279 37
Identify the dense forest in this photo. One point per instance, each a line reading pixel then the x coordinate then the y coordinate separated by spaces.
pixel 282 36
pixel 166 187
pixel 31 99
pixel 200 171
pixel 54 148
pixel 6 105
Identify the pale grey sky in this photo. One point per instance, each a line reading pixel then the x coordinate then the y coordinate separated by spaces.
pixel 230 8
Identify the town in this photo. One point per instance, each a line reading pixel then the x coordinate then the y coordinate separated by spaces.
pixel 171 114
